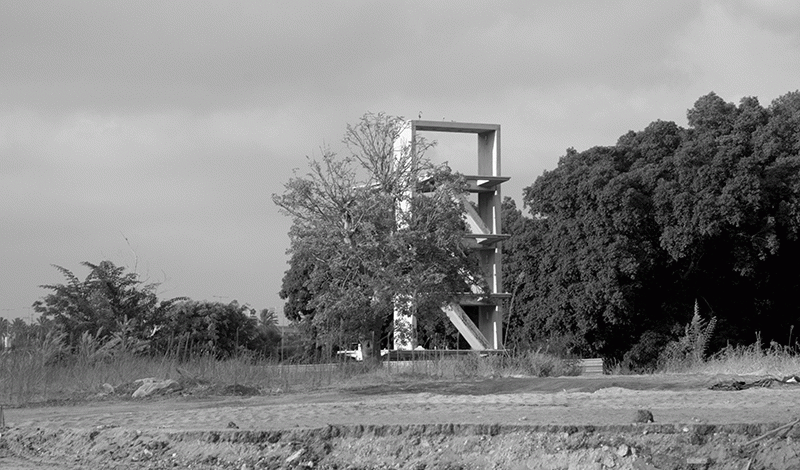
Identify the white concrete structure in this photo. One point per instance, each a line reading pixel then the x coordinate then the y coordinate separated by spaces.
pixel 477 316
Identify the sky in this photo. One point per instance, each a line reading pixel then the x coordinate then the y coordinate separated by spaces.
pixel 154 133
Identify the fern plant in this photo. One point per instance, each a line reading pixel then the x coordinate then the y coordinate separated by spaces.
pixel 698 333
pixel 692 346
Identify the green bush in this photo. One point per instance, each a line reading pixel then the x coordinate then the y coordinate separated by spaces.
pixel 643 357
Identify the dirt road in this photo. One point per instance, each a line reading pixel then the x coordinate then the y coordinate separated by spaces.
pixel 536 423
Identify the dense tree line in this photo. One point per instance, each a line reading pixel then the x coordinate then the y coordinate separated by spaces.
pixel 112 304
pixel 18 334
pixel 618 242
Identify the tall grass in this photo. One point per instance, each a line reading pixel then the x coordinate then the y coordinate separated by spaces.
pixel 27 376
pixel 775 360
pixel 51 372
pixel 471 365
pixel 688 354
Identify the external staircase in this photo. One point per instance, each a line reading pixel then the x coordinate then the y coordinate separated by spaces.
pixel 478 315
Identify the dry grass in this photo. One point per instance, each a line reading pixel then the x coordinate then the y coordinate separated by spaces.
pixel 45 374
pixel 776 361
pixel 26 377
pixel 747 360
pixel 50 373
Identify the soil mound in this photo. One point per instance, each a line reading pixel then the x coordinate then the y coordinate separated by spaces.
pixel 426 447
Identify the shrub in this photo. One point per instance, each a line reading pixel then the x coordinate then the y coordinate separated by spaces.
pixel 643 357
pixel 541 364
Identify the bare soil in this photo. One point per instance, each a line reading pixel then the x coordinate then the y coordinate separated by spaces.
pixel 522 423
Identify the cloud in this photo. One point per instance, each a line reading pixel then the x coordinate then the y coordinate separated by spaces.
pixel 777 16
pixel 210 55
pixel 152 54
pixel 728 50
pixel 185 189
pixel 173 122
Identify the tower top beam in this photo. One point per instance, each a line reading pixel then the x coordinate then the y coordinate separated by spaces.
pixel 452 126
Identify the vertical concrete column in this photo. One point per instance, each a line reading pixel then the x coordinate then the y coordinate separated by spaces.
pixel 404 336
pixel 489 208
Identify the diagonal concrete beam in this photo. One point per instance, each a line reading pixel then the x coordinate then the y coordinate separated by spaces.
pixel 464 325
pixel 474 220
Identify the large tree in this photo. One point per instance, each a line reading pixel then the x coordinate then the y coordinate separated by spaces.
pixel 377 229
pixel 107 301
pixel 621 240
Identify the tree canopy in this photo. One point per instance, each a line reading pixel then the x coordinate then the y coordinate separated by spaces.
pixel 621 240
pixel 367 237
pixel 111 302
pixel 106 301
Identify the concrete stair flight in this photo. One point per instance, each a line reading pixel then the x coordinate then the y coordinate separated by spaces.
pixel 466 327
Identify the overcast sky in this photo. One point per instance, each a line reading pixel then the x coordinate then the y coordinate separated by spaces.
pixel 153 133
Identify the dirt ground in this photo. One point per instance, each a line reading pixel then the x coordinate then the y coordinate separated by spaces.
pixel 515 423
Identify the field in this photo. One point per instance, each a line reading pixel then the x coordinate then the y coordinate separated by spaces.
pixel 414 419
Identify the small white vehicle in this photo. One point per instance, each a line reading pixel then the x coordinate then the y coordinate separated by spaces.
pixel 355 352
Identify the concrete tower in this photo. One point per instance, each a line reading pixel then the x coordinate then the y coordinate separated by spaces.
pixel 477 316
